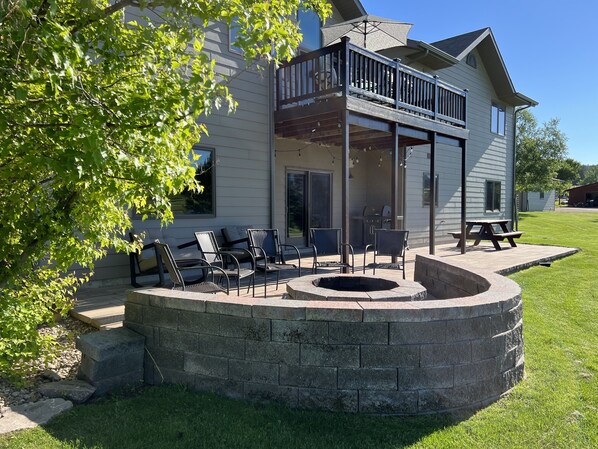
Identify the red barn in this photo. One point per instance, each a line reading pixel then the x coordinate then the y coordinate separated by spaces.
pixel 584 196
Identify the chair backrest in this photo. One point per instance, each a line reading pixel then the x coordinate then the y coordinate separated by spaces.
pixel 235 236
pixel 267 239
pixel 208 246
pixel 168 260
pixel 145 259
pixel 391 242
pixel 326 240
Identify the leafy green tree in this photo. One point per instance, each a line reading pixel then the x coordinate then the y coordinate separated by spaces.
pixel 590 174
pixel 568 175
pixel 569 171
pixel 98 114
pixel 540 151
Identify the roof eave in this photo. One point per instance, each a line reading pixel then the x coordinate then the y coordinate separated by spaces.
pixel 519 99
pixel 431 56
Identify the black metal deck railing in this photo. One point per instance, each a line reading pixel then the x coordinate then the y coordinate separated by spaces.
pixel 345 69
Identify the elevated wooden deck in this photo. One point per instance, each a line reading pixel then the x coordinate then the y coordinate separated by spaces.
pixel 378 92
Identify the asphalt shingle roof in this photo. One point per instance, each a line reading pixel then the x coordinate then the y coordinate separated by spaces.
pixel 456 45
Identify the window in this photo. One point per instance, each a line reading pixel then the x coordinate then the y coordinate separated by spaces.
pixel 492 196
pixel 426 190
pixel 309 24
pixel 498 119
pixel 232 37
pixel 541 195
pixel 198 203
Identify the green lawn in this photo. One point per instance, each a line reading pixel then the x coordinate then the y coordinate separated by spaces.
pixel 556 406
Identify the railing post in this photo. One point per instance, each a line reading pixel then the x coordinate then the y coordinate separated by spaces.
pixel 277 88
pixel 435 96
pixel 464 112
pixel 345 67
pixel 397 82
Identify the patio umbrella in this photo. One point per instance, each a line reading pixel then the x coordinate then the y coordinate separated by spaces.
pixel 371 32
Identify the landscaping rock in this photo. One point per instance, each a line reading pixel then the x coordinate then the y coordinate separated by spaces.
pixel 76 391
pixel 27 416
pixel 51 375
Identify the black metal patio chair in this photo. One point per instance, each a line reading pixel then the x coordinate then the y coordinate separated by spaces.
pixel 327 242
pixel 146 262
pixel 388 242
pixel 265 246
pixel 201 285
pixel 227 259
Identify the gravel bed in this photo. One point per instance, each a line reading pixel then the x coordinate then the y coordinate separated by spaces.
pixel 64 366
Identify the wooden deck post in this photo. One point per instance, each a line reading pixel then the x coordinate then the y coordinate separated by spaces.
pixel 345 188
pixel 394 195
pixel 463 195
pixel 432 236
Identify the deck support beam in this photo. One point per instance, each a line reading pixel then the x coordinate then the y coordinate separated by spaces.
pixel 345 187
pixel 394 195
pixel 433 187
pixel 463 194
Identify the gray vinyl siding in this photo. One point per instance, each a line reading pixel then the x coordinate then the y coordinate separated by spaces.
pixel 241 141
pixel 241 144
pixel 489 157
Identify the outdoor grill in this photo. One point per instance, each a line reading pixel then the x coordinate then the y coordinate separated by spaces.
pixel 374 218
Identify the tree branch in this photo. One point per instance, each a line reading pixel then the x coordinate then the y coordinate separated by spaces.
pixel 106 12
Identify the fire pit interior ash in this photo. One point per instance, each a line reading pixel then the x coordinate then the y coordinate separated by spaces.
pixel 349 287
pixel 355 284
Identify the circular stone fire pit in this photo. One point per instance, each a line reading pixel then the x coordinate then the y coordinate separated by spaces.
pixel 351 287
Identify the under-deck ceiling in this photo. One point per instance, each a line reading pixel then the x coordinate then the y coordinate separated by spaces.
pixel 326 129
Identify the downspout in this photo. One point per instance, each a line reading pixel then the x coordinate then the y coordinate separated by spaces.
pixel 514 212
pixel 272 142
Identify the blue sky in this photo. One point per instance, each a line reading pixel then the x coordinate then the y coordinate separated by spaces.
pixel 550 49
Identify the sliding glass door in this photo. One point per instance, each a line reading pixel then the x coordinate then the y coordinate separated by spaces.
pixel 309 204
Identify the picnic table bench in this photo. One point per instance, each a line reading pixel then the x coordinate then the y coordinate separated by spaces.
pixel 486 231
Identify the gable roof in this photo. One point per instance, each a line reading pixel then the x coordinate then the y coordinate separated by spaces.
pixel 460 46
pixel 447 52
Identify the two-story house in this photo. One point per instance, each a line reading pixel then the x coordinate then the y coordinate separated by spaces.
pixel 345 137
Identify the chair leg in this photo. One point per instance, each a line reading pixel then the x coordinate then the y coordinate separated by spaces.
pixel 265 281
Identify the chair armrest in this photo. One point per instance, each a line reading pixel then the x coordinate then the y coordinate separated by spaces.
pixel 148 246
pixel 365 255
pixel 315 252
pixel 187 244
pixel 211 268
pixel 298 254
pixel 352 252
pixel 234 242
pixel 259 252
pixel 229 252
pixel 348 245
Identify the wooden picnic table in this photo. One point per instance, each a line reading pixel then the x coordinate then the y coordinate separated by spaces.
pixel 485 230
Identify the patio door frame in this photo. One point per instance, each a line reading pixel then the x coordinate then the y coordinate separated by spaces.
pixel 308 204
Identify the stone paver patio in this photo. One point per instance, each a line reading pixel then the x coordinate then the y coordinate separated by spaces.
pixel 103 307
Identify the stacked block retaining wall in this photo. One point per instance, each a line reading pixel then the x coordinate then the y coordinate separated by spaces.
pixel 407 358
